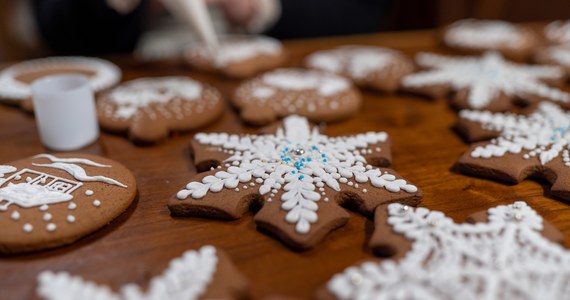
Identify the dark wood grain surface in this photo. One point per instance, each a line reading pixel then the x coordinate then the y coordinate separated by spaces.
pixel 140 243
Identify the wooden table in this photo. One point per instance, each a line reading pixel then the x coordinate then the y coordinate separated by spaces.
pixel 140 243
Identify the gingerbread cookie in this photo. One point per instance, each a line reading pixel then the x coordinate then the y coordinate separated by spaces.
pixel 368 66
pixel 558 32
pixel 554 55
pixel 207 273
pixel 16 80
pixel 522 146
pixel 297 175
pixel 237 56
pixel 47 200
pixel 149 108
pixel 487 82
pixel 319 96
pixel 475 36
pixel 508 252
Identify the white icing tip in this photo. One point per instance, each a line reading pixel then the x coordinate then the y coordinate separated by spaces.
pixel 88 192
pixel 96 203
pixel 15 216
pixel 47 217
pixel 70 219
pixel 72 205
pixel 51 227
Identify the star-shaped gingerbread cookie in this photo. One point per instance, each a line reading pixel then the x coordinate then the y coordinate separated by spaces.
pixel 298 176
pixel 516 147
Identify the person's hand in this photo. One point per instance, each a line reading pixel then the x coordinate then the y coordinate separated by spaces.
pixel 237 12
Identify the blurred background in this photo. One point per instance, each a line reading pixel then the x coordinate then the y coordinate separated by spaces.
pixel 33 28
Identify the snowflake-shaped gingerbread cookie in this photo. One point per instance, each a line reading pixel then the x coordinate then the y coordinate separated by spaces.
pixel 369 66
pixel 476 36
pixel 510 253
pixel 203 274
pixel 149 108
pixel 486 82
pixel 299 177
pixel 521 146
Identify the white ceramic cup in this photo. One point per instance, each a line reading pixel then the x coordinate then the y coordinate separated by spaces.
pixel 64 107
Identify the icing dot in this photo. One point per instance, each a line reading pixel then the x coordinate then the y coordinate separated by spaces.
pixel 47 217
pixel 326 199
pixel 70 219
pixel 245 187
pixel 18 177
pixel 15 216
pixel 96 203
pixel 72 205
pixel 28 179
pixel 51 227
pixel 364 190
pixel 44 207
pixel 350 183
pixel 259 180
pixel 252 184
pixel 28 227
pixel 274 191
pixel 236 189
pixel 89 192
pixel 343 180
pixel 269 199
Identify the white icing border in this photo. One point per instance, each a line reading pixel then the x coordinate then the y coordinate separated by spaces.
pixel 106 75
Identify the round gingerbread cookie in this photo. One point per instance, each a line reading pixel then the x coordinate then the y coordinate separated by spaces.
pixel 558 32
pixel 16 80
pixel 368 66
pixel 149 108
pixel 475 36
pixel 319 96
pixel 52 200
pixel 238 56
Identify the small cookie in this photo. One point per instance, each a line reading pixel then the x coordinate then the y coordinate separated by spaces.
pixel 368 66
pixel 319 96
pixel 508 252
pixel 297 175
pixel 149 108
pixel 486 82
pixel 522 146
pixel 558 32
pixel 555 55
pixel 16 80
pixel 47 201
pixel 475 36
pixel 237 56
pixel 207 273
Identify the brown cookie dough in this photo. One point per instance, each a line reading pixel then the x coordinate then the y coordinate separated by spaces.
pixel 319 96
pixel 522 146
pixel 149 108
pixel 485 82
pixel 299 177
pixel 507 252
pixel 368 66
pixel 237 56
pixel 207 273
pixel 475 36
pixel 16 80
pixel 52 200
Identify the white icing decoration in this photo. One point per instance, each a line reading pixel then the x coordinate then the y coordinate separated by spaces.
pixel 70 219
pixel 89 193
pixel 106 74
pixel 237 49
pixel 560 55
pixel 47 217
pixel 471 33
pixel 293 160
pixel 186 277
pixel 51 227
pixel 72 206
pixel 96 203
pixel 6 169
pixel 506 258
pixel 300 80
pixel 558 32
pixel 44 207
pixel 132 96
pixel 545 131
pixel 263 92
pixel 79 173
pixel 359 61
pixel 486 77
pixel 27 228
pixel 15 216
pixel 82 161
